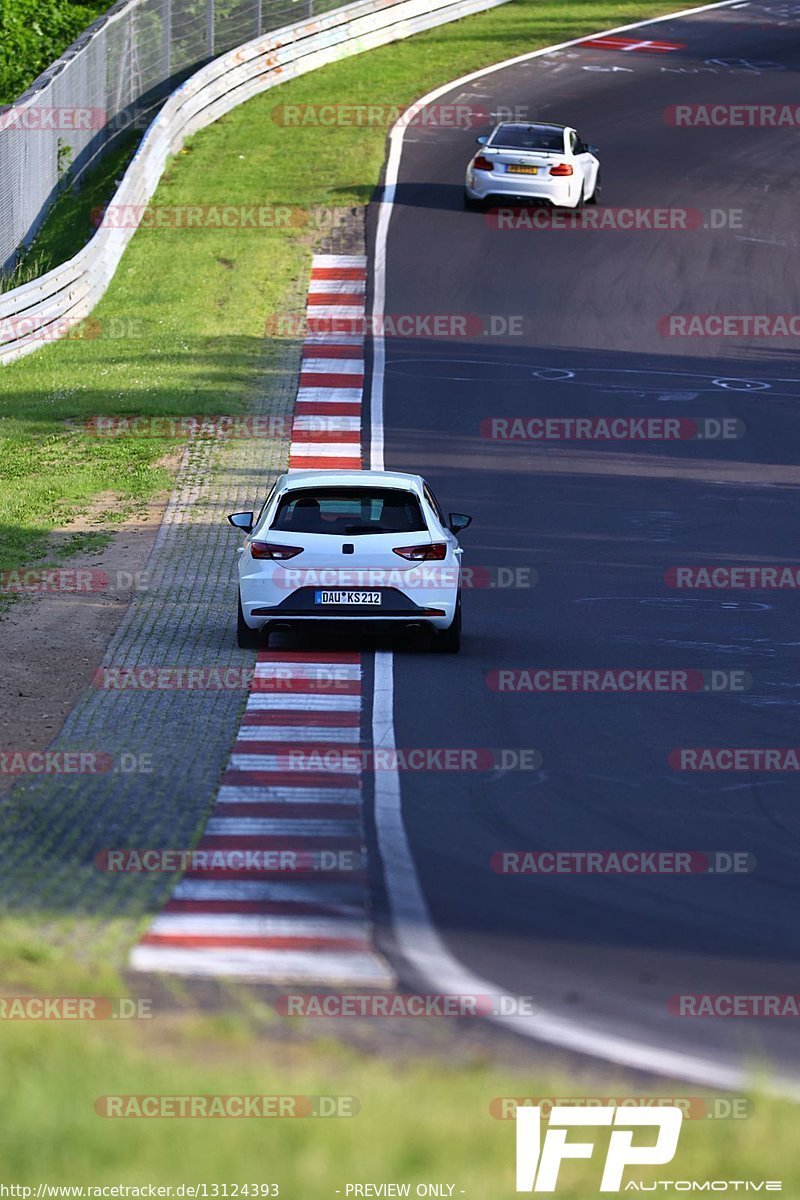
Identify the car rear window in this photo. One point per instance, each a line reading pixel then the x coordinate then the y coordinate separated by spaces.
pixel 529 139
pixel 349 512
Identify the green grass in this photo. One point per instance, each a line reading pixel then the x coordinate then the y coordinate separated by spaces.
pixel 62 955
pixel 418 1121
pixel 187 308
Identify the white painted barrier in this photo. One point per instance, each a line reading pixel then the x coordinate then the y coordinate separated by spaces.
pixel 46 308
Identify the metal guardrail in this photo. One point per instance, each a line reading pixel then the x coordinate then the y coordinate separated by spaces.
pixel 48 307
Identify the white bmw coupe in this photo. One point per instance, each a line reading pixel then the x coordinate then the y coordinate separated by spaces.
pixel 533 162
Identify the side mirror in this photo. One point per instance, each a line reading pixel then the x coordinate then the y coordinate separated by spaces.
pixel 243 521
pixel 593 149
pixel 458 521
pixel 482 140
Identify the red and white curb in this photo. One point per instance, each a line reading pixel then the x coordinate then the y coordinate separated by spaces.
pixel 624 44
pixel 327 423
pixel 308 918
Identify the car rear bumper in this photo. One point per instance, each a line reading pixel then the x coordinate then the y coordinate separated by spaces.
pixel 480 185
pixel 436 609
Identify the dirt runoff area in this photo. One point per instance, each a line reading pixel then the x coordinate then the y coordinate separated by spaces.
pixel 54 634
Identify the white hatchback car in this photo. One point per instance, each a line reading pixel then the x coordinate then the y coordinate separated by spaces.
pixel 533 162
pixel 350 546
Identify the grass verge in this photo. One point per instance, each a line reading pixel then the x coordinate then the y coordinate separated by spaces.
pixel 417 1122
pixel 181 330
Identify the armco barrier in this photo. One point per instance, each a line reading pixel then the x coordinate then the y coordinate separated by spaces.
pixel 44 309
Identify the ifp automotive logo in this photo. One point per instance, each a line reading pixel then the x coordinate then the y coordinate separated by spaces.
pixel 538 1162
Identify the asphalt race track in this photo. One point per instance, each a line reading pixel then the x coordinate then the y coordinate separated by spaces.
pixel 600 524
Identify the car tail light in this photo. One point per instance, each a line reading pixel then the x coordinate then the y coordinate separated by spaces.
pixel 482 163
pixel 434 550
pixel 562 169
pixel 271 550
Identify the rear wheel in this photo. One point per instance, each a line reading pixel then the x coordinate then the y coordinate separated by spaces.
pixel 448 641
pixel 246 638
pixel 595 196
pixel 473 205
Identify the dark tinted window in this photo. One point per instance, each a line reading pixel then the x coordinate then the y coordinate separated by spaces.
pixel 529 137
pixel 349 512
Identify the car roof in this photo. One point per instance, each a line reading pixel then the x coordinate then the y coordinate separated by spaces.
pixel 323 478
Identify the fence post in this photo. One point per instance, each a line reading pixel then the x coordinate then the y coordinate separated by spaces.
pixel 210 27
pixel 166 38
pixel 258 18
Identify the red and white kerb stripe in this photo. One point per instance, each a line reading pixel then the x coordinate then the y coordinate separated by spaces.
pixel 327 422
pixel 309 920
pixel 645 44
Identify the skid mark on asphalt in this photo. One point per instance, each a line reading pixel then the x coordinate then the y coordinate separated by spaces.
pixel 281 890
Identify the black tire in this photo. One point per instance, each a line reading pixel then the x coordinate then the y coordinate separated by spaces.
pixel 595 196
pixel 573 208
pixel 448 641
pixel 246 638
pixel 473 205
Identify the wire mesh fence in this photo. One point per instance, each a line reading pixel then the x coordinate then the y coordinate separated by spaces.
pixel 108 83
